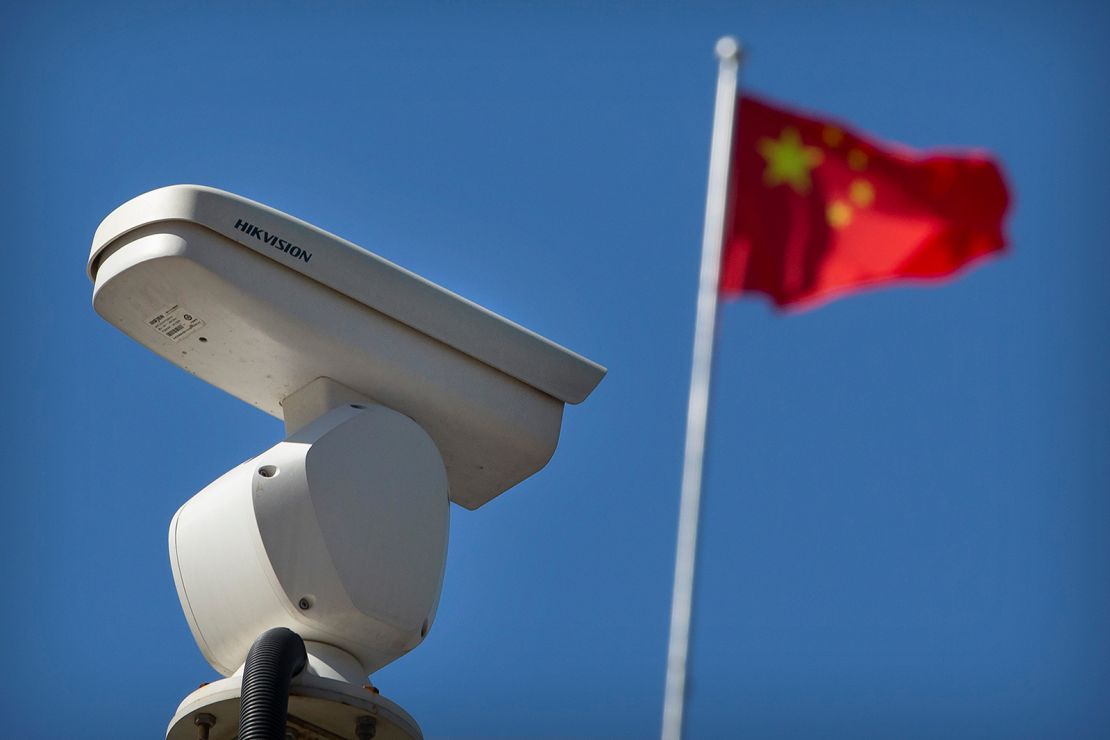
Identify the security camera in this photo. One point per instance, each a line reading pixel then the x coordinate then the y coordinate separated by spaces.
pixel 398 397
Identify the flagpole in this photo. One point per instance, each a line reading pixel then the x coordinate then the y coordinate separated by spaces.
pixel 716 206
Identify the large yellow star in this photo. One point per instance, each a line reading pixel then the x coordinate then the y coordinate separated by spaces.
pixel 789 160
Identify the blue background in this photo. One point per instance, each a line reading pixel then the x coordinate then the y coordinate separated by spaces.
pixel 906 523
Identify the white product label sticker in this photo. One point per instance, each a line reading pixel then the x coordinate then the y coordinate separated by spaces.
pixel 175 322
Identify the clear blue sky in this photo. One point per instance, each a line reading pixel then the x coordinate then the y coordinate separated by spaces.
pixel 907 524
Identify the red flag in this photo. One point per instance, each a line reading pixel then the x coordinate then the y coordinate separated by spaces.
pixel 818 211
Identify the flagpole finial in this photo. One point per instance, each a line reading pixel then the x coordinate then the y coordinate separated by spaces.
pixel 728 48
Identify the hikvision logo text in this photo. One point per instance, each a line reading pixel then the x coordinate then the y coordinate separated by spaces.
pixel 273 240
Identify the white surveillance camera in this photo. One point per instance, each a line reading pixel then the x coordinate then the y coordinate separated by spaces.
pixel 398 397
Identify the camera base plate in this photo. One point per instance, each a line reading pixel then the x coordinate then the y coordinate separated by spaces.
pixel 319 709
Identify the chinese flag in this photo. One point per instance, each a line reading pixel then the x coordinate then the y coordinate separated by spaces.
pixel 818 211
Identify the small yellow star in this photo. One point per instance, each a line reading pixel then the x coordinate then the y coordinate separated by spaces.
pixel 861 192
pixel 857 160
pixel 832 136
pixel 789 160
pixel 839 214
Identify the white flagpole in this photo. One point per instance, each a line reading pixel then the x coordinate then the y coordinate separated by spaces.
pixel 716 205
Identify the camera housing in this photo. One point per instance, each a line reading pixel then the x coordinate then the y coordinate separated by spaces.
pixel 260 304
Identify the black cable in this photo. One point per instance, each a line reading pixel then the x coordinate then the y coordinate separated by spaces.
pixel 273 660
